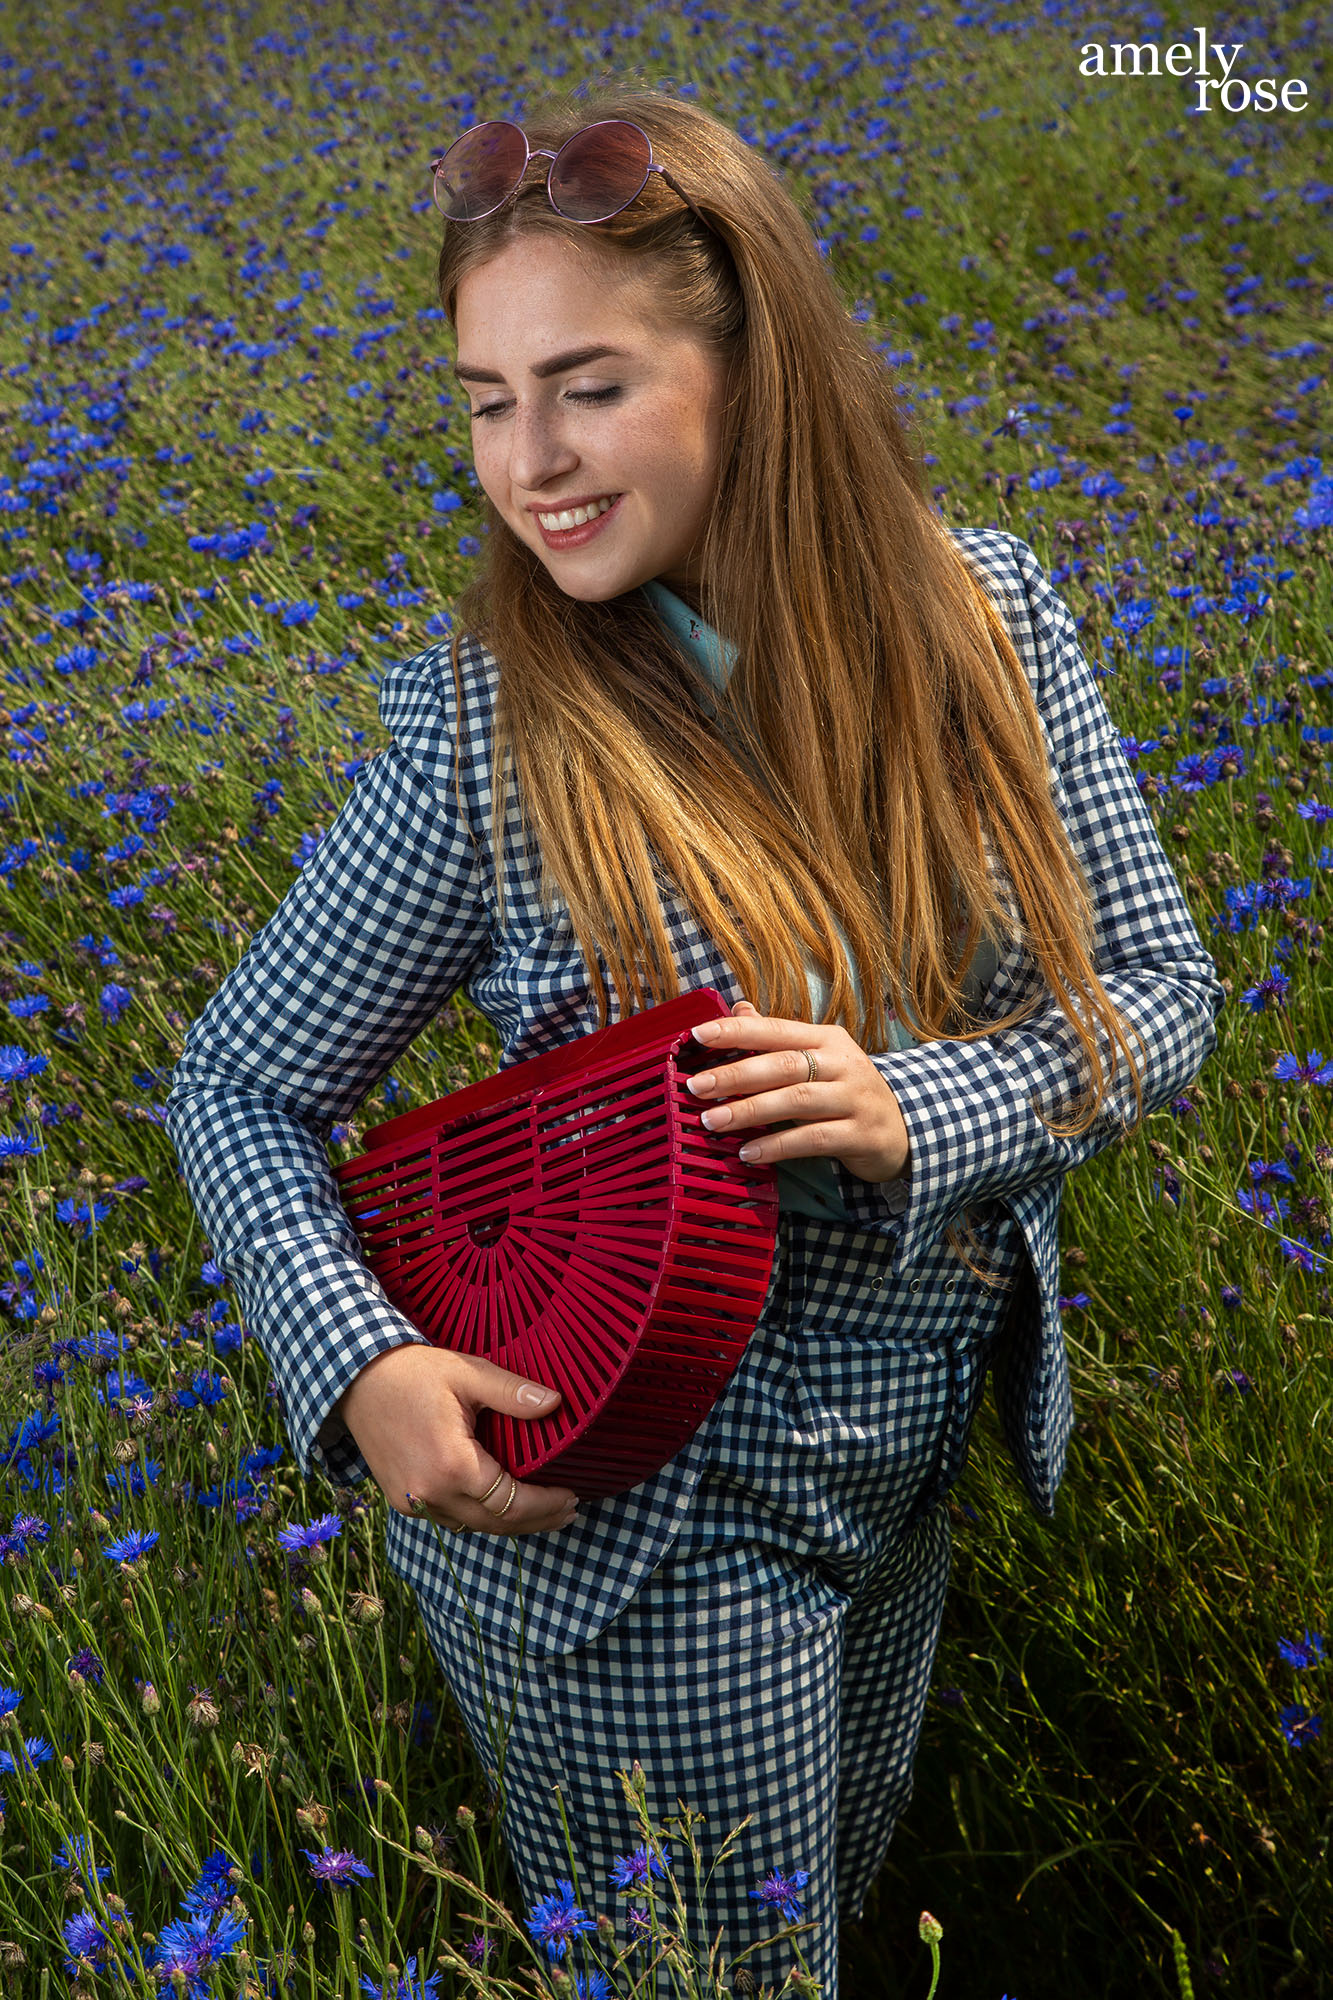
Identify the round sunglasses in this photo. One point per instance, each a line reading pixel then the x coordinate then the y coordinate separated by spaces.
pixel 599 170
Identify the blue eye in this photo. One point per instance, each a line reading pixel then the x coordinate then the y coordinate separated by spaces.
pixel 575 396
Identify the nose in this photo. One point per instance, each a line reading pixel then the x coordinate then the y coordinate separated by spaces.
pixel 539 454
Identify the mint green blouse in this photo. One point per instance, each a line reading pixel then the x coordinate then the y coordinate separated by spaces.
pixel 805 1187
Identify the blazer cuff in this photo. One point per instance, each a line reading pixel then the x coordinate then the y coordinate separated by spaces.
pixel 321 1316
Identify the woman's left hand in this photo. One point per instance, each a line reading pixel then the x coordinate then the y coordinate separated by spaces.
pixel 847 1113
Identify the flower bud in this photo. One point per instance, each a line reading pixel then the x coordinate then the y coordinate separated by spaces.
pixel 465 1816
pixel 203 1711
pixel 150 1699
pixel 930 1928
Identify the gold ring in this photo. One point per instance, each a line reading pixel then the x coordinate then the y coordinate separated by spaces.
pixel 510 1501
pixel 809 1055
pixel 491 1488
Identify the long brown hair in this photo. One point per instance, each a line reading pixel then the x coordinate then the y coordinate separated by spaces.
pixel 877 755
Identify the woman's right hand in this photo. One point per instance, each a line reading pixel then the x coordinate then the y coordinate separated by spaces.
pixel 412 1412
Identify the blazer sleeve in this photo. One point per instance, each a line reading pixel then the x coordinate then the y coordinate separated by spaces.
pixel 385 921
pixel 971 1107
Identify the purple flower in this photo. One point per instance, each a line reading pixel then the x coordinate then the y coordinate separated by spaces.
pixel 778 1890
pixel 133 1547
pixel 310 1535
pixel 554 1920
pixel 1299 1726
pixel 1297 1654
pixel 335 1867
pixel 86 1662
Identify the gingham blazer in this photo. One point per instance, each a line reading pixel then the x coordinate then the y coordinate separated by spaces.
pixel 396 910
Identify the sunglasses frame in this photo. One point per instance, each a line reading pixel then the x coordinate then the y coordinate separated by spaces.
pixel 545 153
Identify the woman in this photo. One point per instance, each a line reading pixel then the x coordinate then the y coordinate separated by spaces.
pixel 892 793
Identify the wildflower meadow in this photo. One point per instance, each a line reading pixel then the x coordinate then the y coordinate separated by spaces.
pixel 235 485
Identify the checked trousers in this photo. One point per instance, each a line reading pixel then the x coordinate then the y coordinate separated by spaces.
pixel 776 1661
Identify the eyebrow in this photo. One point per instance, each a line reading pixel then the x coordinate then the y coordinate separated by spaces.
pixel 577 357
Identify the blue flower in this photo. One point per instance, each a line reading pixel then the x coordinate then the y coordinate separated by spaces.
pixel 1302 1655
pixel 554 1920
pixel 86 1941
pixel 309 1535
pixel 1313 1070
pixel 16 1065
pixel 33 1751
pixel 113 1001
pixel 409 1986
pixel 1299 1726
pixel 335 1867
pixel 133 1547
pixel 9 1700
pixel 191 1945
pixel 628 1870
pixel 778 1889
pixel 74 1855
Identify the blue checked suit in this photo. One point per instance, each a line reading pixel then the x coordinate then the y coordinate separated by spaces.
pixel 396 910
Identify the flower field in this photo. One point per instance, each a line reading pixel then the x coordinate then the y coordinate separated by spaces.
pixel 235 485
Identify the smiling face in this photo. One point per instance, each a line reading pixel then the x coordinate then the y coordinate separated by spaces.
pixel 643 423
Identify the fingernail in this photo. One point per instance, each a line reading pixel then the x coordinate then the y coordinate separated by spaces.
pixel 706 1031
pixel 533 1396
pixel 748 1153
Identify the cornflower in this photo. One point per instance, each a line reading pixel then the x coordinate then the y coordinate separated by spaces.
pixel 1302 1655
pixel 408 1986
pixel 1299 1726
pixel 133 1547
pixel 629 1870
pixel 555 1919
pixel 310 1536
pixel 35 1750
pixel 779 1889
pixel 191 1945
pixel 335 1867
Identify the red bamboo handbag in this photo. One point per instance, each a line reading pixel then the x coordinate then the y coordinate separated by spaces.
pixel 570 1219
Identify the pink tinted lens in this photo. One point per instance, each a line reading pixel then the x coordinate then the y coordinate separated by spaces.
pixel 480 170
pixel 600 170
